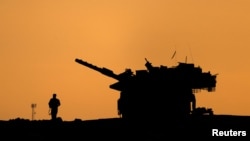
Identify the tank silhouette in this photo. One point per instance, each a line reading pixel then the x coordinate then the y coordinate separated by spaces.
pixel 157 93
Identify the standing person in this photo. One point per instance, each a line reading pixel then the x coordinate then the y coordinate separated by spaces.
pixel 54 103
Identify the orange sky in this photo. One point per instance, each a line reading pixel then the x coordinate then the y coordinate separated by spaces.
pixel 39 41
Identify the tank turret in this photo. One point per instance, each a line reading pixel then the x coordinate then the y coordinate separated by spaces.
pixel 157 93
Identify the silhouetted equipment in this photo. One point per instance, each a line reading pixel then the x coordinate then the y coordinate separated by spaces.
pixel 158 92
pixel 33 106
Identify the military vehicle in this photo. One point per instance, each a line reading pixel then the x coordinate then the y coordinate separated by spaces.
pixel 158 93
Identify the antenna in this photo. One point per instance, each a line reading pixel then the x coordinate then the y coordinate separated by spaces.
pixel 190 53
pixel 33 106
pixel 173 54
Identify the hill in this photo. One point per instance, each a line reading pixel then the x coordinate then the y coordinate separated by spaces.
pixel 119 129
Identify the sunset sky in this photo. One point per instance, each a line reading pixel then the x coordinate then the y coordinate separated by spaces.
pixel 39 41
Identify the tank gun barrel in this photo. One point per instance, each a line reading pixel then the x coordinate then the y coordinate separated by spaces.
pixel 103 70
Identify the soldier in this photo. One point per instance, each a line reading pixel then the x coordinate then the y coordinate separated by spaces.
pixel 54 103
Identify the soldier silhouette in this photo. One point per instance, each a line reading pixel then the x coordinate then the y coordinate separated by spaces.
pixel 54 103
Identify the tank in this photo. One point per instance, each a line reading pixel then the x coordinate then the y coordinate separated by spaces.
pixel 158 92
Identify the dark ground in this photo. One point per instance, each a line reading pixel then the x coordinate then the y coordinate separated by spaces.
pixel 118 129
